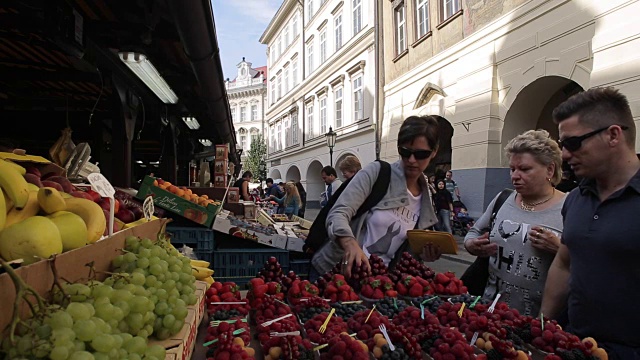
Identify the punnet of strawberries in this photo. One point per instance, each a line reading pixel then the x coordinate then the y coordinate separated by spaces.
pixel 301 289
pixel 414 286
pixel 272 272
pixel 338 290
pixel 377 287
pixel 447 283
pixel 223 292
pixel 258 290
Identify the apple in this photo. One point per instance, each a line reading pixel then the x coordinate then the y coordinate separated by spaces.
pixel 81 194
pixel 94 195
pixel 105 203
pixel 33 179
pixel 34 170
pixel 137 212
pixel 64 182
pixel 125 216
pixel 53 184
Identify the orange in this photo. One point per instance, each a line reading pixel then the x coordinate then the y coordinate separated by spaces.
pixel 179 192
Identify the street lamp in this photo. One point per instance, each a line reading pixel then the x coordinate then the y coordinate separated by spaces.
pixel 331 142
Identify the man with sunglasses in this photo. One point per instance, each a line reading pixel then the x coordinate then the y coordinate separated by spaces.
pixel 595 272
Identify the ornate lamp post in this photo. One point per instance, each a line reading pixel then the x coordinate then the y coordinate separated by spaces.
pixel 331 142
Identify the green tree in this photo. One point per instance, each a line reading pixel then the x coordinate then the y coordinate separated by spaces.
pixel 256 155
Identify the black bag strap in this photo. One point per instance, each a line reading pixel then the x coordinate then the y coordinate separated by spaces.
pixel 504 195
pixel 378 191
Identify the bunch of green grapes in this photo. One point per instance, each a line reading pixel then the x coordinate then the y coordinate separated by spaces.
pixel 84 329
pixel 167 278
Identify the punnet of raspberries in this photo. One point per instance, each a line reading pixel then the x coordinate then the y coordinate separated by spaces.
pixel 289 324
pixel 411 318
pixel 451 345
pixel 344 347
pixel 231 347
pixel 288 347
pixel 335 326
pixel 216 331
pixel 365 330
pixel 270 309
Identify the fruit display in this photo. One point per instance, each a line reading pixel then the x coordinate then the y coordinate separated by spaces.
pixel 469 299
pixel 415 320
pixel 313 306
pixel 431 303
pixel 349 309
pixel 451 345
pixel 286 325
pixel 390 306
pixel 231 347
pixel 185 193
pixel 301 289
pixel 146 294
pixel 217 328
pixel 345 347
pixel 259 290
pixel 448 284
pixel 272 272
pixel 365 323
pixel 289 347
pixel 335 326
pixel 413 286
pixel 222 292
pixel 411 266
pixel 269 309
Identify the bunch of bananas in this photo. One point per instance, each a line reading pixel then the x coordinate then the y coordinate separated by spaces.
pixel 200 269
pixel 36 223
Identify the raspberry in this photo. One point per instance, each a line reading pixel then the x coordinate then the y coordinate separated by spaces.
pixel 547 336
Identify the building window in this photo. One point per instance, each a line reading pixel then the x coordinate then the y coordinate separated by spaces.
pixel 286 36
pixel 310 58
pixel 310 121
pixel 357 16
pixel 287 132
pixel 337 25
pixel 323 46
pixel 243 113
pixel 295 25
pixel 400 28
pixel 338 107
pixel 254 112
pixel 233 113
pixel 294 128
pixel 449 7
pixel 323 115
pixel 272 138
pixel 273 90
pixel 279 42
pixel 243 142
pixel 254 138
pixel 272 52
pixel 285 79
pixel 309 9
pixel 358 103
pixel 279 81
pixel 279 136
pixel 422 16
pixel 294 72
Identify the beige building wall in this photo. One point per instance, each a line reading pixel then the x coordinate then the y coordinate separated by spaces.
pixel 499 68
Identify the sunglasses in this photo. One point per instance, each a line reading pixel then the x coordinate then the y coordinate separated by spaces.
pixel 418 154
pixel 574 143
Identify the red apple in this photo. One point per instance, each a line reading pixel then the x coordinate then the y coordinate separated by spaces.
pixel 94 195
pixel 53 184
pixel 34 170
pixel 137 212
pixel 33 179
pixel 105 204
pixel 81 194
pixel 125 216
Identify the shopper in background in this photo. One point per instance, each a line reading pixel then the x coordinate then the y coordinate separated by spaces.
pixel 406 205
pixel 273 189
pixel 349 167
pixel 290 203
pixel 330 178
pixel 243 185
pixel 444 207
pixel 303 197
pixel 526 230
pixel 451 185
pixel 596 270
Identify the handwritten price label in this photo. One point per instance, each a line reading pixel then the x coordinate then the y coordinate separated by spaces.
pixel 101 185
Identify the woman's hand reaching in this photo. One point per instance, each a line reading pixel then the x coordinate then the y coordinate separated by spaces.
pixel 430 252
pixel 352 254
pixel 544 239
pixel 481 246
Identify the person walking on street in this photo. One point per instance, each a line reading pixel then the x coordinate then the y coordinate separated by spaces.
pixel 444 207
pixel 451 185
pixel 330 178
pixel 595 272
pixel 303 198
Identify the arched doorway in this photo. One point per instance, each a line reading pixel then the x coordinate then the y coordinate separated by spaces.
pixel 315 185
pixel 340 159
pixel 293 174
pixel 442 161
pixel 533 106
pixel 275 174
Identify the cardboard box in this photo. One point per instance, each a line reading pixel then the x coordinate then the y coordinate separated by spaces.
pixel 220 167
pixel 45 166
pixel 180 346
pixel 233 195
pixel 219 180
pixel 71 266
pixel 177 205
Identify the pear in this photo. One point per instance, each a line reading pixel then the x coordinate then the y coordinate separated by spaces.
pixel 32 239
pixel 73 230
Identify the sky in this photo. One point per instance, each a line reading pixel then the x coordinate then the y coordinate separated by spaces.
pixel 239 25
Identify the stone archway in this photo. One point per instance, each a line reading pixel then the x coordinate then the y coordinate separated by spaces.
pixel 315 185
pixel 533 106
pixel 275 174
pixel 293 174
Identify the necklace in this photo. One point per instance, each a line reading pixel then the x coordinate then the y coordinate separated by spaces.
pixel 531 207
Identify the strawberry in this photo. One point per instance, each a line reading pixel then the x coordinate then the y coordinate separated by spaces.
pixel 344 287
pixel 255 282
pixel 377 294
pixel 451 288
pixel 441 278
pixel 330 289
pixel 353 296
pixel 367 291
pixel 343 296
pixel 439 289
pixel 260 290
pixel 450 275
pixel 274 288
pixel 415 290
pixel 391 293
pixel 402 290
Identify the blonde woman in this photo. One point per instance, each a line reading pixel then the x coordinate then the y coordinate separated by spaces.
pixel 526 232
pixel 291 201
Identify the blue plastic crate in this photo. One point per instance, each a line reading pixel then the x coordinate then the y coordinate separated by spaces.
pixel 241 265
pixel 301 268
pixel 206 255
pixel 202 238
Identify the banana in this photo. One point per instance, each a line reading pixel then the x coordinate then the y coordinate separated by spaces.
pixel 200 272
pixel 7 201
pixel 33 187
pixel 30 209
pixel 14 184
pixel 50 200
pixel 3 210
pixel 200 263
pixel 20 169
pixel 92 215
pixel 209 280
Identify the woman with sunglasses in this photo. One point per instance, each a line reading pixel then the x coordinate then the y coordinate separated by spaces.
pixel 405 206
pixel 525 234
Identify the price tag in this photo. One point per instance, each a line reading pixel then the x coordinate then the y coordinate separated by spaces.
pixel 101 185
pixel 148 208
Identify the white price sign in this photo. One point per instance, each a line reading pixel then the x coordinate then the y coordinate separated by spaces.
pixel 101 185
pixel 148 208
